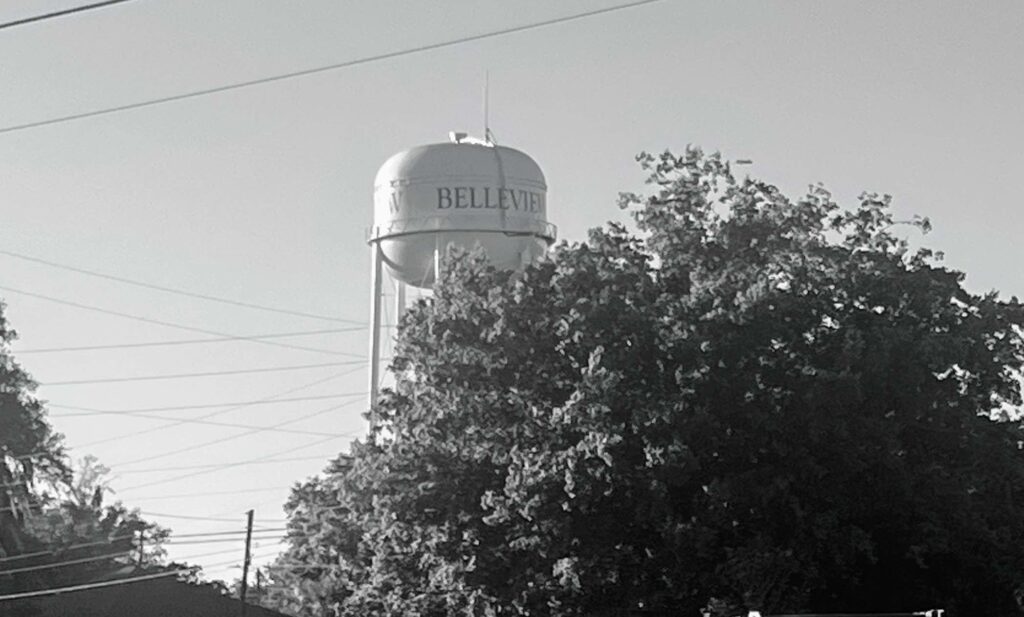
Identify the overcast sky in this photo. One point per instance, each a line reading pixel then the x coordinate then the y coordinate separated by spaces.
pixel 263 194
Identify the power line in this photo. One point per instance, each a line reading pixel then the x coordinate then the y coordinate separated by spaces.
pixel 317 510
pixel 212 493
pixel 221 440
pixel 120 581
pixel 322 566
pixel 252 427
pixel 61 13
pixel 105 556
pixel 222 569
pixel 216 413
pixel 273 369
pixel 89 411
pixel 174 290
pixel 223 565
pixel 212 534
pixel 248 433
pixel 235 563
pixel 213 465
pixel 277 540
pixel 247 462
pixel 257 554
pixel 330 67
pixel 259 507
pixel 166 324
pixel 60 564
pixel 223 339
pixel 189 517
pixel 210 554
pixel 109 542
pixel 198 420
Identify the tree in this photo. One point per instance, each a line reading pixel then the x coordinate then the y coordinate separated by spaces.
pixel 29 449
pixel 51 513
pixel 75 514
pixel 751 402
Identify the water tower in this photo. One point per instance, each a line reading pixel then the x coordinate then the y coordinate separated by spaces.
pixel 468 193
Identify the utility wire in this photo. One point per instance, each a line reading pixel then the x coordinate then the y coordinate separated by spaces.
pixel 246 462
pixel 255 557
pixel 121 581
pixel 188 517
pixel 323 566
pixel 210 554
pixel 61 13
pixel 89 411
pixel 105 556
pixel 178 422
pixel 213 534
pixel 247 433
pixel 243 491
pixel 250 427
pixel 198 341
pixel 60 564
pixel 166 324
pixel 234 563
pixel 174 290
pixel 273 369
pixel 277 540
pixel 317 510
pixel 109 542
pixel 258 507
pixel 213 465
pixel 331 67
pixel 224 566
pixel 272 553
pixel 215 413
pixel 221 440
pixel 201 539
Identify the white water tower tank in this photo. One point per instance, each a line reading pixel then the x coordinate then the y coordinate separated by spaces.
pixel 466 192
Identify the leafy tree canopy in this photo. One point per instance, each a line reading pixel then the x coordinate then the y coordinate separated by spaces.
pixel 30 452
pixel 749 402
pixel 52 512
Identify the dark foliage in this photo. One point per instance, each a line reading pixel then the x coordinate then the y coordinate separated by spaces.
pixel 50 512
pixel 752 403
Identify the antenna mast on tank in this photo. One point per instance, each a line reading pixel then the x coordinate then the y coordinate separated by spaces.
pixel 488 136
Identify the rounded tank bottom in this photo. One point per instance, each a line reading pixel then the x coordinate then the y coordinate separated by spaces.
pixel 410 258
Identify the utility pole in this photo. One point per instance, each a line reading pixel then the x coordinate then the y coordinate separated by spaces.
pixel 248 558
pixel 142 540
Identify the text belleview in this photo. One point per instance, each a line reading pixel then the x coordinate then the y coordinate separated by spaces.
pixel 463 197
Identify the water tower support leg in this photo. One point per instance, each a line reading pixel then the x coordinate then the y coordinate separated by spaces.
pixel 437 258
pixel 399 303
pixel 376 267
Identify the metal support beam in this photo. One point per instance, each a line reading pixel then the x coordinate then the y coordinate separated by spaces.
pixel 376 273
pixel 437 258
pixel 399 304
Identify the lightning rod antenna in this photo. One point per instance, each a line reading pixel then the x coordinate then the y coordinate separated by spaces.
pixel 487 125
